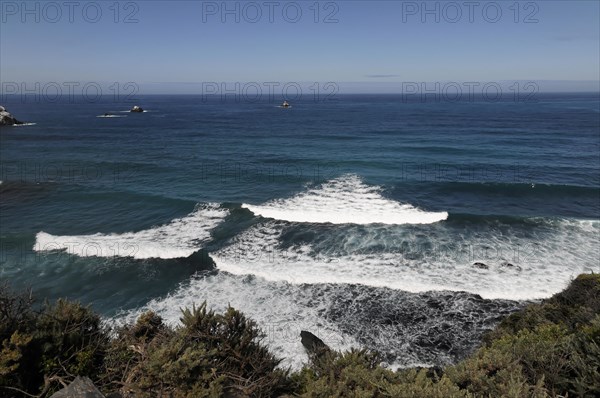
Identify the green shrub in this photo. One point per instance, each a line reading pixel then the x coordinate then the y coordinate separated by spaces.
pixel 71 340
pixel 354 373
pixel 415 383
pixel 583 376
pixel 12 352
pixel 16 313
pixel 577 305
pixel 42 350
pixel 208 355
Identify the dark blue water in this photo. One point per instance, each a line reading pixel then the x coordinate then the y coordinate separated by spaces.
pixel 370 200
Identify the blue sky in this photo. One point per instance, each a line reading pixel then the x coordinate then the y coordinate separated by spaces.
pixel 370 44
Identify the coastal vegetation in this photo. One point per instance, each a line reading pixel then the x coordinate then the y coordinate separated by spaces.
pixel 548 349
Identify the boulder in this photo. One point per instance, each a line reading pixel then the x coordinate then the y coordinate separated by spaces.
pixel 81 387
pixel 314 346
pixel 480 265
pixel 136 109
pixel 6 119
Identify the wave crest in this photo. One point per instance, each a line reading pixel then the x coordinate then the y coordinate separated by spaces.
pixel 179 238
pixel 345 200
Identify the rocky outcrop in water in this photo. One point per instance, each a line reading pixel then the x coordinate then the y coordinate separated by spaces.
pixel 6 119
pixel 136 109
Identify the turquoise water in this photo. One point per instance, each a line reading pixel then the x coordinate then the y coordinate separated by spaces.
pixel 359 218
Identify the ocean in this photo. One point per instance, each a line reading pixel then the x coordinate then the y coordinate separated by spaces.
pixel 409 227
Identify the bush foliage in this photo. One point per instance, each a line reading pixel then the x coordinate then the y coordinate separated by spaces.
pixel 549 349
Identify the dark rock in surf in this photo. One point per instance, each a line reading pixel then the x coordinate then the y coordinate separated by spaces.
pixel 481 265
pixel 6 119
pixel 314 346
pixel 506 264
pixel 136 109
pixel 81 387
pixel 200 259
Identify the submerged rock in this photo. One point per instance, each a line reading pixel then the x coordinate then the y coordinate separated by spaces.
pixel 480 265
pixel 506 264
pixel 81 387
pixel 6 119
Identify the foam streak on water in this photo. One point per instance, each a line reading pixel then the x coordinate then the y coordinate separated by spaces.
pixel 345 200
pixel 179 238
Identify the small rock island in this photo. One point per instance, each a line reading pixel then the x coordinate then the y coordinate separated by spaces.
pixel 6 119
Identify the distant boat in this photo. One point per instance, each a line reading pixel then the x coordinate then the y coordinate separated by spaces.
pixel 285 104
pixel 136 109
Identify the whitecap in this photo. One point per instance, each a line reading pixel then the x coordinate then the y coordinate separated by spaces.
pixel 345 200
pixel 179 238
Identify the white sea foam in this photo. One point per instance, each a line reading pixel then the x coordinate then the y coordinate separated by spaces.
pixel 110 116
pixel 518 268
pixel 278 308
pixel 345 200
pixel 179 238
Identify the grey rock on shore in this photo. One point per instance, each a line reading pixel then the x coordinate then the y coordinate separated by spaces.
pixel 81 387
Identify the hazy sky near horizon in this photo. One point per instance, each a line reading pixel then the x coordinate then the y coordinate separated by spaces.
pixel 174 42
